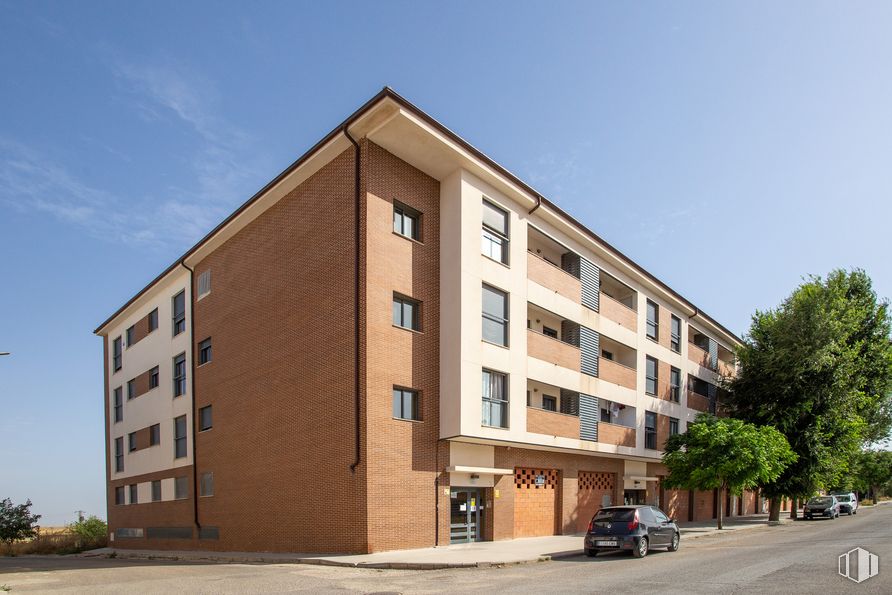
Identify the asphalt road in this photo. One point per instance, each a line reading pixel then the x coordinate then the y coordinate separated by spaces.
pixel 796 558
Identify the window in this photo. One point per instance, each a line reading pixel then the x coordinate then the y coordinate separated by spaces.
pixel 605 415
pixel 204 352
pixel 155 435
pixel 131 441
pixel 119 495
pixel 134 493
pixel 406 221
pixel 406 312
pixel 204 283
pixel 153 320
pixel 660 515
pixel 549 403
pixel 131 389
pixel 119 454
pixel 119 404
pixel 495 233
pixel 156 490
pixel 153 377
pixel 495 316
pixel 116 354
pixel 206 484
pixel 179 313
pixel 674 384
pixel 675 336
pixel 673 426
pixel 495 399
pixel 406 404
pixel 608 355
pixel 179 437
pixel 205 418
pixel 130 332
pixel 179 375
pixel 650 386
pixel 181 488
pixel 549 332
pixel 650 430
pixel 653 320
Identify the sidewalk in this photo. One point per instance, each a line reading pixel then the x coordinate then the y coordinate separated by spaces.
pixel 481 554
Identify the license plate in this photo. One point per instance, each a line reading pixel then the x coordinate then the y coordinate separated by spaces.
pixel 604 543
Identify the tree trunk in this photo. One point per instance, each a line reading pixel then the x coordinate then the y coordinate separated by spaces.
pixel 794 508
pixel 721 505
pixel 774 510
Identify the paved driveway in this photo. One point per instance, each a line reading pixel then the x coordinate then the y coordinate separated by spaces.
pixel 796 558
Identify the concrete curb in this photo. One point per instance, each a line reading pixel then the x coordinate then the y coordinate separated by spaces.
pixel 261 559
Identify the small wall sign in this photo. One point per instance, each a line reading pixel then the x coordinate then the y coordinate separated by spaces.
pixel 540 480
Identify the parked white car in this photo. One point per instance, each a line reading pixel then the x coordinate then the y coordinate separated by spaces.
pixel 848 503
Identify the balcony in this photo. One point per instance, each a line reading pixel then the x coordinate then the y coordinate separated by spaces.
pixel 616 434
pixel 553 339
pixel 618 302
pixel 617 363
pixel 726 362
pixel 698 355
pixel 553 277
pixel 698 402
pixel 552 423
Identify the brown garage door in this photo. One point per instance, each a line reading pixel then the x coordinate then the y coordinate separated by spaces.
pixel 595 490
pixel 535 502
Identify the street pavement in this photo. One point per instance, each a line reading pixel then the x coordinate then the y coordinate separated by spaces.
pixel 800 557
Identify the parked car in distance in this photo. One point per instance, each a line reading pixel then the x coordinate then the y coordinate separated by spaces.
pixel 822 506
pixel 631 528
pixel 848 503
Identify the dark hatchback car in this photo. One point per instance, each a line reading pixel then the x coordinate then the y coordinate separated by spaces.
pixel 822 506
pixel 631 528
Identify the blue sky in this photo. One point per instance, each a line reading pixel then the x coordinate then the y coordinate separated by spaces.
pixel 730 148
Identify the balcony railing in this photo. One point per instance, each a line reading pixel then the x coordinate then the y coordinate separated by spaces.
pixel 553 277
pixel 552 423
pixel 726 368
pixel 618 312
pixel 699 356
pixel 697 401
pixel 617 373
pixel 616 434
pixel 552 350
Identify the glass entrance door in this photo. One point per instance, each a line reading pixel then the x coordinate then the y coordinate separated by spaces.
pixel 465 515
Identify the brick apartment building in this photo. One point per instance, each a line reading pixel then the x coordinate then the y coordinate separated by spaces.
pixel 397 343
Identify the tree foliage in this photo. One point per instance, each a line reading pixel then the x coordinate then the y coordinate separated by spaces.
pixel 16 522
pixel 91 530
pixel 819 369
pixel 728 454
pixel 872 472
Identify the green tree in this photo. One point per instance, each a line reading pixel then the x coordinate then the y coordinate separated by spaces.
pixel 819 369
pixel 873 471
pixel 16 522
pixel 91 530
pixel 725 454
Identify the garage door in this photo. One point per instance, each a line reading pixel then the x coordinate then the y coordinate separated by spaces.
pixel 595 490
pixel 704 505
pixel 535 502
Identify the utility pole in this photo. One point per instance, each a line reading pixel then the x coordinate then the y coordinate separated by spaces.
pixel 80 516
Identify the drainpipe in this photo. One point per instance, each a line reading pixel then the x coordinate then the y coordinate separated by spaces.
pixel 538 204
pixel 192 384
pixel 357 172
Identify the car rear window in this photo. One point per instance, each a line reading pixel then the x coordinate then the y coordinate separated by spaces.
pixel 615 515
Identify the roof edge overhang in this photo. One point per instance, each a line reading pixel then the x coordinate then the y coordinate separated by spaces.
pixel 386 107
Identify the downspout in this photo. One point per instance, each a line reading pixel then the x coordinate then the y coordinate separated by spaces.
pixel 357 172
pixel 538 204
pixel 192 384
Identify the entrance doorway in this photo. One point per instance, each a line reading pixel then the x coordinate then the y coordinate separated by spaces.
pixel 634 497
pixel 465 515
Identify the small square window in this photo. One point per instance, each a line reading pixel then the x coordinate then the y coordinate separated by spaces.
pixel 155 435
pixel 204 352
pixel 153 377
pixel 406 404
pixel 204 283
pixel 206 484
pixel 673 426
pixel 549 403
pixel 156 490
pixel 181 488
pixel 205 418
pixel 406 312
pixel 549 332
pixel 406 221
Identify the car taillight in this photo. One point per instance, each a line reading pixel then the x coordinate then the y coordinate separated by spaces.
pixel 591 525
pixel 633 524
